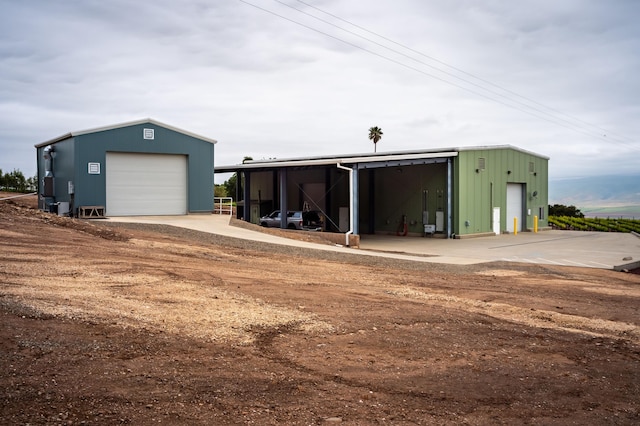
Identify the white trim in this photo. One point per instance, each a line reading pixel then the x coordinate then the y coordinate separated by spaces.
pixel 93 168
pixel 337 160
pixel 127 124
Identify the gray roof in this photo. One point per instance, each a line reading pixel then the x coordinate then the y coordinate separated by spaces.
pixel 121 125
pixel 404 156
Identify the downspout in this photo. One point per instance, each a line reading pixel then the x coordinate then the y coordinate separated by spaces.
pixel 350 231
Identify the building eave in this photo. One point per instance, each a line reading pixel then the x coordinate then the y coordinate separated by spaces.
pixel 329 161
pixel 122 125
pixel 364 158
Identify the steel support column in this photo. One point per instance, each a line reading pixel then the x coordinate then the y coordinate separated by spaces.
pixel 247 196
pixel 355 213
pixel 449 194
pixel 283 198
pixel 372 201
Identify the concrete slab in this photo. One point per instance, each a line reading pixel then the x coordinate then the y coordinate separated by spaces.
pixel 570 248
pixel 605 250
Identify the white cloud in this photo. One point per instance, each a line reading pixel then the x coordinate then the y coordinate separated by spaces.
pixel 267 87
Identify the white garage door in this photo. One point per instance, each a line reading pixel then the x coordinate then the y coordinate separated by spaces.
pixel 146 184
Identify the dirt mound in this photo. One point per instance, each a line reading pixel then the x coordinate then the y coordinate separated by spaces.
pixel 138 325
pixel 14 211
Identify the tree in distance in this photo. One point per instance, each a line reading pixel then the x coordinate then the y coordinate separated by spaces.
pixel 375 134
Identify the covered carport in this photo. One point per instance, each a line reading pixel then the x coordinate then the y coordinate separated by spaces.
pixel 406 193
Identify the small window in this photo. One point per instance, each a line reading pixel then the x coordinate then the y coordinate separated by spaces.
pixel 532 167
pixel 540 213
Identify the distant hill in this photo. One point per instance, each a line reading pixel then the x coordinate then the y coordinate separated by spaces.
pixel 614 196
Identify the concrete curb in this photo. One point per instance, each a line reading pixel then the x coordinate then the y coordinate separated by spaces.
pixel 627 266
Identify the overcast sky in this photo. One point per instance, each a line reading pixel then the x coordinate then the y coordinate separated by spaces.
pixel 559 78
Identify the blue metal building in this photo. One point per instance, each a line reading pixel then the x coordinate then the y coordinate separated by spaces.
pixel 142 167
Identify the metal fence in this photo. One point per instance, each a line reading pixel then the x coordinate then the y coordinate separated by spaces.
pixel 223 205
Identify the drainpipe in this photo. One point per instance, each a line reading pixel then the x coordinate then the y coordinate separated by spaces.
pixel 350 231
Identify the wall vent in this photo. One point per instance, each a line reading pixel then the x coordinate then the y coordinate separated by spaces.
pixel 93 168
pixel 481 163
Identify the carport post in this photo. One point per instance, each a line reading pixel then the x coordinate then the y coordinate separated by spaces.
pixel 355 213
pixel 247 196
pixel 283 199
pixel 449 192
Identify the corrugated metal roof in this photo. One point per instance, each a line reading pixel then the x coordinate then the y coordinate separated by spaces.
pixel 121 125
pixel 360 158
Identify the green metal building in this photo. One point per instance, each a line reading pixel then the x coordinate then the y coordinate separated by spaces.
pixel 455 192
pixel 138 168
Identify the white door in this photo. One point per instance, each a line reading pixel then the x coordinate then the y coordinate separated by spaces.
pixel 515 203
pixel 496 220
pixel 145 184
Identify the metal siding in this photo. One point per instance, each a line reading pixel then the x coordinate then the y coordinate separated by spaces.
pixel 92 147
pixel 63 169
pixel 472 190
pixel 201 184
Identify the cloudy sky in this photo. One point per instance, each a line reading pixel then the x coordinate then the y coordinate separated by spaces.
pixel 279 79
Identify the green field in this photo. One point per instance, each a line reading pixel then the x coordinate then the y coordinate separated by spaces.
pixel 626 212
pixel 594 224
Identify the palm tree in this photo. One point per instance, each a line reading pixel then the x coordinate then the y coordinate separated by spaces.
pixel 375 134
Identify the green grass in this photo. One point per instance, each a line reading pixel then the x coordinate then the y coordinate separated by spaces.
pixel 594 224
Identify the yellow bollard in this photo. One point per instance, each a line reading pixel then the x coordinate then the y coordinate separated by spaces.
pixel 515 225
pixel 535 224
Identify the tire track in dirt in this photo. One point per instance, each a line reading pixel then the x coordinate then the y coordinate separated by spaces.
pixel 596 327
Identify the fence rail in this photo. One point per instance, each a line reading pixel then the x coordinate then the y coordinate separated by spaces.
pixel 223 205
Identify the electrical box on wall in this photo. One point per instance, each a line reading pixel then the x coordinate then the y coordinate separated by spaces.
pixel 48 189
pixel 439 221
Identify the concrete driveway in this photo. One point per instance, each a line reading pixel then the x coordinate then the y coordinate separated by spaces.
pixel 570 248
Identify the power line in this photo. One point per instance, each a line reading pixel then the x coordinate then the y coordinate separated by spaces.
pixel 507 97
pixel 519 104
pixel 600 129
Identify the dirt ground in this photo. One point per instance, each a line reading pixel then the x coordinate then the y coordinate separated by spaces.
pixel 104 324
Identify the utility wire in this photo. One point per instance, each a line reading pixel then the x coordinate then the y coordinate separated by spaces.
pixel 494 92
pixel 550 118
pixel 411 67
pixel 598 128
